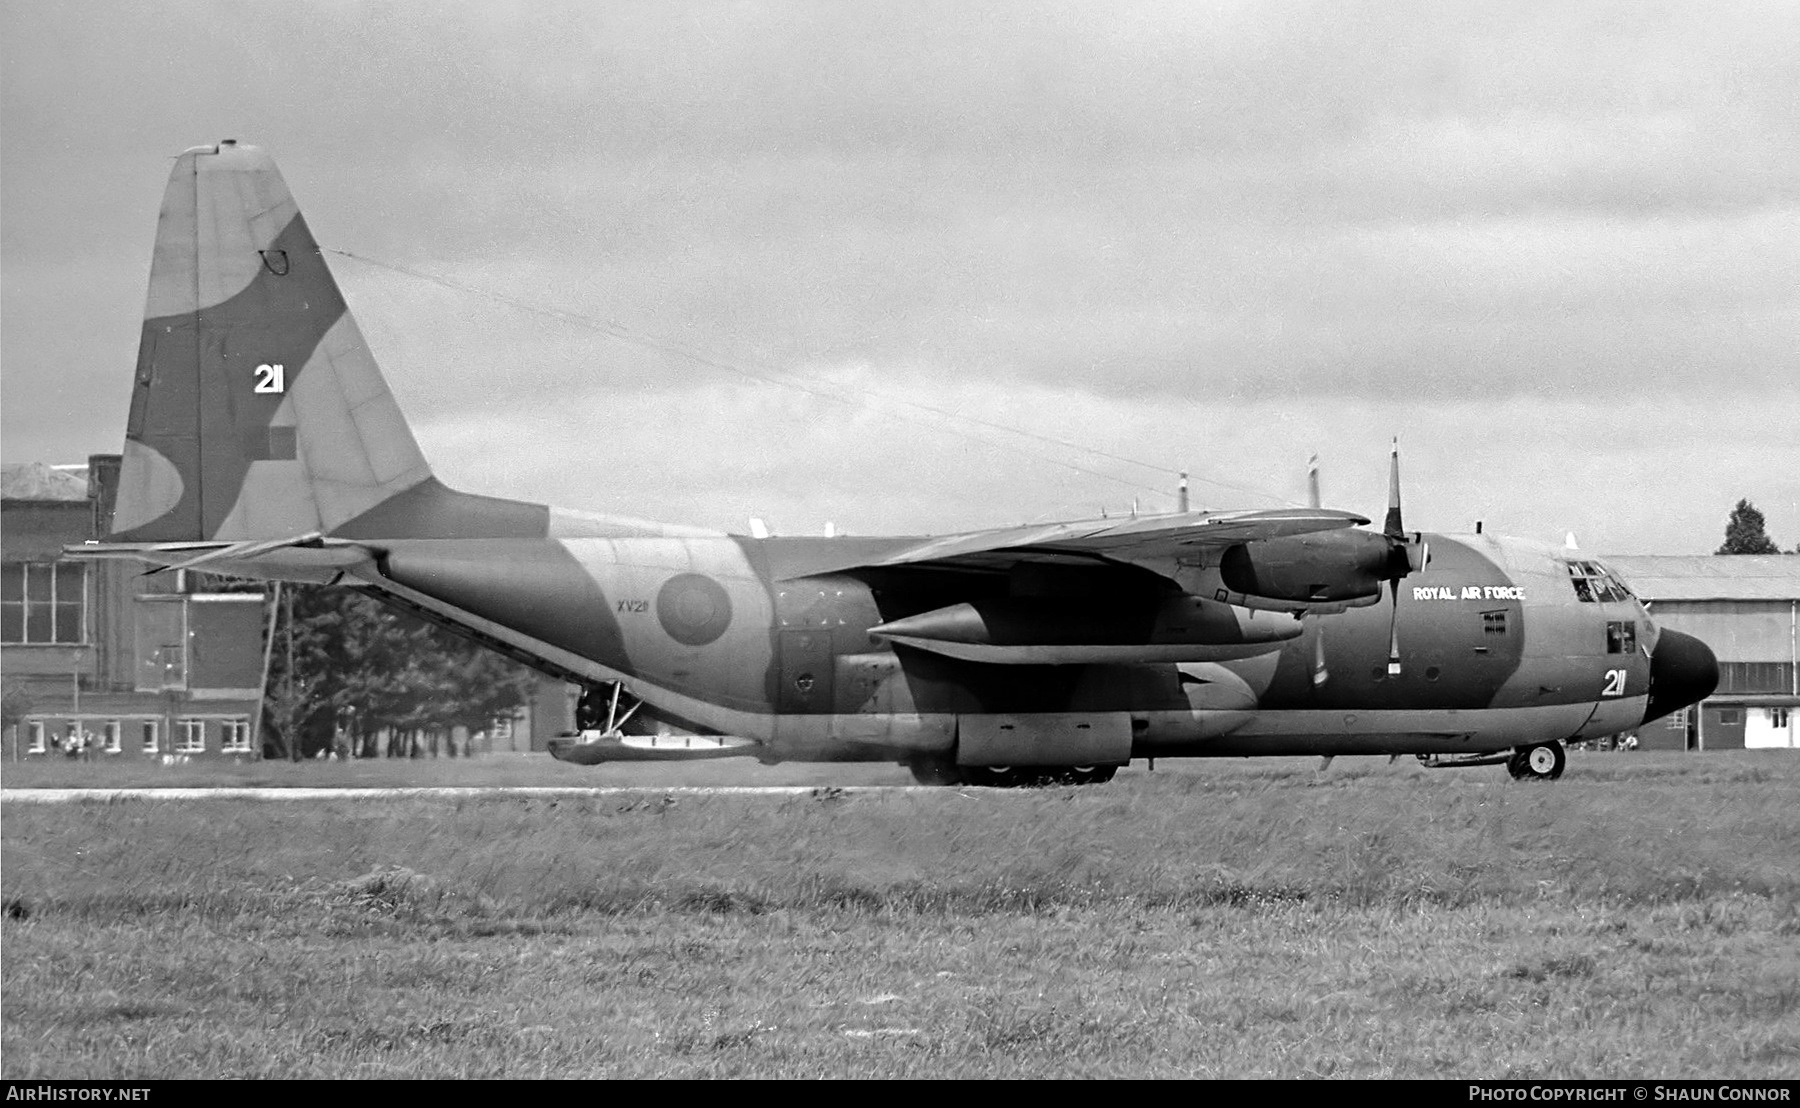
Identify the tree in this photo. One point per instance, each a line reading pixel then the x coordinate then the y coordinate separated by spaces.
pixel 1744 532
pixel 362 667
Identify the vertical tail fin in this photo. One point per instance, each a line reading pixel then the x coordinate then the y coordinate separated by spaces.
pixel 256 410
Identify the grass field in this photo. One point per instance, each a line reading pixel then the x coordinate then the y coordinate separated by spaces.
pixel 1639 918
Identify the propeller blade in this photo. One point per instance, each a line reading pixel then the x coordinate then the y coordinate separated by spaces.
pixel 1312 482
pixel 1320 674
pixel 1392 527
pixel 1394 631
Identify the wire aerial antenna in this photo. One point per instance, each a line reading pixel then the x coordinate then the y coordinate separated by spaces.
pixel 857 398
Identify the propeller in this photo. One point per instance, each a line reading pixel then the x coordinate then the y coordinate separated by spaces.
pixel 1405 556
pixel 1319 673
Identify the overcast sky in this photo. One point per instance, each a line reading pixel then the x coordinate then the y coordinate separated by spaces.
pixel 1555 248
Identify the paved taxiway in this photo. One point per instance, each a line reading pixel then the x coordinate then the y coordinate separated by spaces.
pixel 59 796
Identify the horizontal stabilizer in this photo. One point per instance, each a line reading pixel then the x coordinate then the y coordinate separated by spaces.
pixel 243 550
pixel 309 557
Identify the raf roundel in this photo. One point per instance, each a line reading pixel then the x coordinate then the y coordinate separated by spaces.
pixel 693 609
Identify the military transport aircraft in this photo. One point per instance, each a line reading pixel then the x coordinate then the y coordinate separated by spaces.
pixel 263 442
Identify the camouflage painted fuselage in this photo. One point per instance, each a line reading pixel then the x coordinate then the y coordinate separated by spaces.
pixel 770 639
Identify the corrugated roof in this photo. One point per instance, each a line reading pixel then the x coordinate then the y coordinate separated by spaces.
pixel 1710 576
pixel 37 481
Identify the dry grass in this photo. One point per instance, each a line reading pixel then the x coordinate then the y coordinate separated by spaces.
pixel 1231 919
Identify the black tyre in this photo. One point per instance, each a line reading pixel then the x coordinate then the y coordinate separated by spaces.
pixel 993 777
pixel 1088 775
pixel 1543 762
pixel 937 773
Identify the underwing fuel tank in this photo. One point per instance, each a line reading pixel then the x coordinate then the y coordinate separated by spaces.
pixel 1036 631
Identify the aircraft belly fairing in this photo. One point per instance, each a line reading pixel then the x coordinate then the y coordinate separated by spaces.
pixel 263 441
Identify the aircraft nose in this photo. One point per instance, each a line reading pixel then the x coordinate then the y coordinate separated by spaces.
pixel 1683 671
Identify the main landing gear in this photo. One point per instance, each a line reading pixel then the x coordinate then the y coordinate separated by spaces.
pixel 1009 777
pixel 599 708
pixel 1543 762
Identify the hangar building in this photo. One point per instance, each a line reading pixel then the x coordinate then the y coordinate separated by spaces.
pixel 1747 608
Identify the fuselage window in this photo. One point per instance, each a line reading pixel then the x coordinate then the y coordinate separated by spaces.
pixel 1493 623
pixel 1621 637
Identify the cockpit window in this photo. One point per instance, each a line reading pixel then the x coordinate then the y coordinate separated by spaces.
pixel 1594 584
pixel 1621 637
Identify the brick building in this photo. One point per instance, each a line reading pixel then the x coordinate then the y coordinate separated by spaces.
pixel 107 662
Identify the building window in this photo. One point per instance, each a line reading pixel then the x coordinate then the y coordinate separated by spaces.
pixel 190 736
pixel 43 602
pixel 1679 718
pixel 112 732
pixel 1730 716
pixel 1778 717
pixel 1756 678
pixel 235 736
pixel 1621 637
pixel 503 729
pixel 39 744
pixel 150 736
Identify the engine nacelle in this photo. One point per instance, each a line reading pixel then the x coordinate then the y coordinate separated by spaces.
pixel 1331 566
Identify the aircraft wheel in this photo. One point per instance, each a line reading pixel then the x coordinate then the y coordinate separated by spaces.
pixel 993 777
pixel 937 773
pixel 1088 775
pixel 1543 762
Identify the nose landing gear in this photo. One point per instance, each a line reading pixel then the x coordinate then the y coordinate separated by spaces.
pixel 1543 762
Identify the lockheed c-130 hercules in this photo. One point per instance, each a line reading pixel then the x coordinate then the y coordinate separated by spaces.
pixel 262 442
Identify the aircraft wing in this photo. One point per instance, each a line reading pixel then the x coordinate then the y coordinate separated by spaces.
pixel 1202 536
pixel 1192 534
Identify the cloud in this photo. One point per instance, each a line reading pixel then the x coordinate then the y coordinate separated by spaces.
pixel 1227 216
